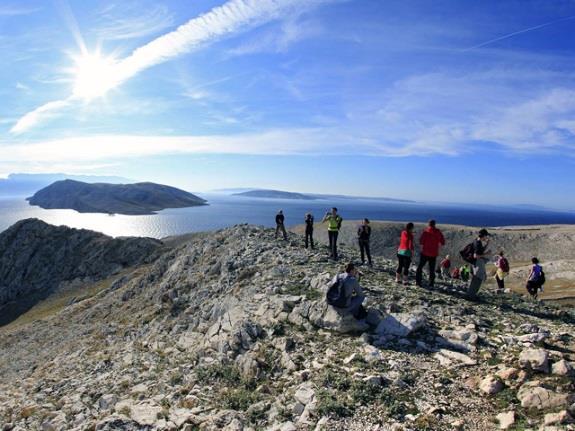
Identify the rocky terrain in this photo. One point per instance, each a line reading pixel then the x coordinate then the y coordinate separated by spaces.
pixel 229 331
pixel 129 199
pixel 35 258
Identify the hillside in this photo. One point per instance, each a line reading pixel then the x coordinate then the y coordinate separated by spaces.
pixel 229 331
pixel 36 258
pixel 274 194
pixel 130 199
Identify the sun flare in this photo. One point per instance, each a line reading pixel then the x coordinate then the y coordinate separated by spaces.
pixel 95 75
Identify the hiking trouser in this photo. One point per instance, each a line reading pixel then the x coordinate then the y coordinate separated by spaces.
pixel 419 273
pixel 404 262
pixel 533 288
pixel 355 304
pixel 281 228
pixel 500 282
pixel 309 238
pixel 479 276
pixel 332 234
pixel 364 250
pixel 445 273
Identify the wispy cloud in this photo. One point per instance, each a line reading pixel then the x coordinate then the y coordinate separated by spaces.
pixel 15 10
pixel 45 111
pixel 129 21
pixel 293 30
pixel 232 17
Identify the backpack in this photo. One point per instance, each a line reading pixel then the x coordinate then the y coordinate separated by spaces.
pixel 504 265
pixel 335 295
pixel 468 253
pixel 541 279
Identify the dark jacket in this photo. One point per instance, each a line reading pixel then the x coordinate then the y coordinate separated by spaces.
pixel 364 233
pixel 280 219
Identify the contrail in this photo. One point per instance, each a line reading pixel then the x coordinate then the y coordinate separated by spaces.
pixel 515 33
pixel 229 18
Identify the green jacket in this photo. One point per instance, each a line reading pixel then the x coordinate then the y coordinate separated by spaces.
pixel 333 222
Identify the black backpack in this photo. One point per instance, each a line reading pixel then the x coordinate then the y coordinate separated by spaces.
pixel 335 295
pixel 468 253
pixel 541 279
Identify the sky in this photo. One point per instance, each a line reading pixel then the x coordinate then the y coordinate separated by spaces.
pixel 452 101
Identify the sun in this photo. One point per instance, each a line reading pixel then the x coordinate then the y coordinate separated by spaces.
pixel 94 75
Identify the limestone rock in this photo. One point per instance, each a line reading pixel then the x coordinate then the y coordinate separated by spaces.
pixel 562 368
pixel 400 324
pixel 491 385
pixel 535 359
pixel 506 420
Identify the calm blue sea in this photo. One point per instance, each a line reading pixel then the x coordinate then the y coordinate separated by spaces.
pixel 229 210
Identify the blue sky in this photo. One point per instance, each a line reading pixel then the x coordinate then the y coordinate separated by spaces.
pixel 447 100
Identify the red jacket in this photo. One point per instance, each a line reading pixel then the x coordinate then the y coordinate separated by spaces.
pixel 406 241
pixel 430 240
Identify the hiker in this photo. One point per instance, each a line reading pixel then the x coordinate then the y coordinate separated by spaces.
pixel 464 273
pixel 445 266
pixel 280 224
pixel 405 253
pixel 431 240
pixel 363 236
pixel 346 294
pixel 502 265
pixel 308 230
pixel 455 274
pixel 480 255
pixel 334 225
pixel 536 279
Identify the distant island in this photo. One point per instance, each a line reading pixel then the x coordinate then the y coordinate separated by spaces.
pixel 275 194
pixel 128 199
pixel 22 185
pixel 280 194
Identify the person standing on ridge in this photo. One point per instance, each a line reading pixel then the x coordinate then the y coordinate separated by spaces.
pixel 431 240
pixel 308 230
pixel 405 253
pixel 334 221
pixel 535 279
pixel 480 259
pixel 502 265
pixel 363 237
pixel 280 227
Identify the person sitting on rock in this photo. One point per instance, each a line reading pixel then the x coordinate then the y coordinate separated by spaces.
pixel 346 294
pixel 445 266
pixel 465 272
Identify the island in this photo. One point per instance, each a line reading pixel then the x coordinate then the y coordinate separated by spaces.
pixel 275 194
pixel 128 199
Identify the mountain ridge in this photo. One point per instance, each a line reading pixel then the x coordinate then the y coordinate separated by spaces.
pixel 230 331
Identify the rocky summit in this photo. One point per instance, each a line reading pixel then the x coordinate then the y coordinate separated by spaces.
pixel 229 330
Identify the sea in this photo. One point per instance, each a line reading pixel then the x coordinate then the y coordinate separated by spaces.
pixel 226 210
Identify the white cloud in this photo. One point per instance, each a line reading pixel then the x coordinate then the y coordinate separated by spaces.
pixel 130 20
pixel 231 17
pixel 45 111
